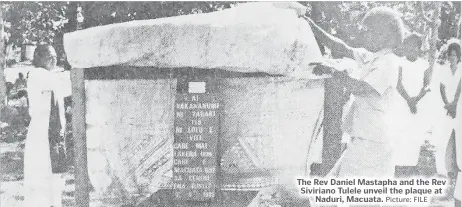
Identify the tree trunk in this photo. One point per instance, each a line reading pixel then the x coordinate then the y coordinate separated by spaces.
pixel 2 66
pixel 434 34
pixel 72 17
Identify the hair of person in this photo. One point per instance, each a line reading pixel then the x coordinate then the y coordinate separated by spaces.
pixel 454 46
pixel 9 86
pixel 21 75
pixel 409 37
pixel 41 54
pixel 389 20
pixel 414 36
pixel 444 50
pixel 22 93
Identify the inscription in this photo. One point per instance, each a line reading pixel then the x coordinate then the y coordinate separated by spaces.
pixel 194 163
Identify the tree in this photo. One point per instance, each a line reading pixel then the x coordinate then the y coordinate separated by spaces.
pixel 2 66
pixel 34 21
pixel 46 22
pixel 102 13
pixel 342 18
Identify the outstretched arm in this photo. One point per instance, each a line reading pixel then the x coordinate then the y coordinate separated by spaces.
pixel 355 86
pixel 339 48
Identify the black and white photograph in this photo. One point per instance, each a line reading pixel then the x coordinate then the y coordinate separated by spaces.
pixel 230 104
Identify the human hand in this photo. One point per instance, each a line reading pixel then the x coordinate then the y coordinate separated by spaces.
pixel 412 103
pixel 426 90
pixel 4 124
pixel 297 7
pixel 343 147
pixel 323 68
pixel 62 132
pixel 452 109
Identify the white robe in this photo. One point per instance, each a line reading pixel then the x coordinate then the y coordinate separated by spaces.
pixel 444 124
pixel 458 141
pixel 41 186
pixel 458 189
pixel 410 130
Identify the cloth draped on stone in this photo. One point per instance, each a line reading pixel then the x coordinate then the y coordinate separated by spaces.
pixel 358 161
pixel 251 37
pixel 129 137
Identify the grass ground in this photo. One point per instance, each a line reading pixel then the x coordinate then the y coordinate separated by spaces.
pixel 11 188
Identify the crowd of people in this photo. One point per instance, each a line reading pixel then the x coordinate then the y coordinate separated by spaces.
pixel 16 113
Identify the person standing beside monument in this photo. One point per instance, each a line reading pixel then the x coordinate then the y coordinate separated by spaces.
pixel 412 124
pixel 447 140
pixel 42 187
pixel 374 93
pixel 20 83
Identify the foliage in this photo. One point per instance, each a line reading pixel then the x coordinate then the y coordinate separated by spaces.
pixel 45 22
pixel 102 13
pixel 342 18
pixel 33 22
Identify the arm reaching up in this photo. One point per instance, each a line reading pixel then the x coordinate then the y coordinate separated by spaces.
pixel 339 48
pixel 355 86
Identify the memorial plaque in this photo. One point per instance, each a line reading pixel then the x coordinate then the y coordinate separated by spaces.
pixel 195 146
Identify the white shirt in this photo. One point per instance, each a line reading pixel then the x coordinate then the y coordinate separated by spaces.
pixel 413 75
pixel 451 81
pixel 21 102
pixel 40 84
pixel 412 79
pixel 369 116
pixel 409 131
